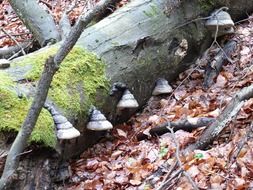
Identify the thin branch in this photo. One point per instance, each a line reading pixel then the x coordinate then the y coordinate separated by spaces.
pixel 52 64
pixel 4 31
pixel 179 161
pixel 188 124
pixel 230 112
pixel 166 183
pixel 202 18
pixel 17 53
pixel 241 144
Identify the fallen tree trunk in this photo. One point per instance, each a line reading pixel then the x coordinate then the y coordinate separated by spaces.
pixel 138 44
pixel 38 21
pixel 188 124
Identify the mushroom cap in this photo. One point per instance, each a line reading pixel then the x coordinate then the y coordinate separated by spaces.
pixel 53 111
pixel 222 19
pixel 128 103
pixel 4 63
pixel 127 100
pixel 224 31
pixel 99 125
pixel 65 125
pixel 69 133
pixel 162 87
pixel 58 119
pixel 96 115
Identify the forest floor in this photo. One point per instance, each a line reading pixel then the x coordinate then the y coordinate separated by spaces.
pixel 126 163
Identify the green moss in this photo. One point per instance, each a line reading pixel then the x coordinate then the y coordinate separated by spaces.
pixel 206 5
pixel 13 111
pixel 152 12
pixel 75 85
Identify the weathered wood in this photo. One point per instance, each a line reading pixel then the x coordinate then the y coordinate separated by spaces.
pixel 214 66
pixel 185 124
pixel 140 43
pixel 38 21
pixel 230 112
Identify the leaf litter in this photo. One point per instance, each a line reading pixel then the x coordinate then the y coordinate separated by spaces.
pixel 125 163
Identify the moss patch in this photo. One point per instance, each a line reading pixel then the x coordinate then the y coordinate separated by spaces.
pixel 13 111
pixel 206 5
pixel 75 85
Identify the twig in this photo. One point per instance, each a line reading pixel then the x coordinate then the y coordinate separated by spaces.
pixel 22 50
pixel 25 152
pixel 230 111
pixel 241 143
pixel 179 161
pixel 188 124
pixel 202 18
pixel 165 184
pixel 20 34
pixel 17 53
pixel 243 20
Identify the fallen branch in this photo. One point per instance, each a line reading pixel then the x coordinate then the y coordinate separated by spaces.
pixel 231 110
pixel 7 52
pixel 185 124
pixel 13 39
pixel 213 68
pixel 52 64
pixel 64 23
pixel 165 185
pixel 241 144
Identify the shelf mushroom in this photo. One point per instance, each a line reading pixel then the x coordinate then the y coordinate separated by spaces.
pixel 222 20
pixel 65 129
pixel 4 63
pixel 127 101
pixel 162 87
pixel 98 121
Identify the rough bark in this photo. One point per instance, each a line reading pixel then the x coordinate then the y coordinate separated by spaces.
pixel 214 67
pixel 52 64
pixel 185 124
pixel 10 51
pixel 37 20
pixel 231 110
pixel 138 44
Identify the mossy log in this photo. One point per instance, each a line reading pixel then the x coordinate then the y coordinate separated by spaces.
pixel 135 45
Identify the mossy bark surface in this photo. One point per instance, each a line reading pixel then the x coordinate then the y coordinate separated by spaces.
pixel 135 45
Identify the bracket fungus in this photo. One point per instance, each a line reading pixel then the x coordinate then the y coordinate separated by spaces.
pixel 4 63
pixel 162 87
pixel 98 121
pixel 65 129
pixel 222 20
pixel 127 101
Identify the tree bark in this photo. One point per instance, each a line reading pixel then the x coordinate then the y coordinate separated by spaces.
pixel 52 64
pixel 37 20
pixel 140 43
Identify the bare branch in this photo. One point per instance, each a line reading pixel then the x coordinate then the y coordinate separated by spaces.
pixel 22 50
pixel 52 64
pixel 231 110
pixel 181 168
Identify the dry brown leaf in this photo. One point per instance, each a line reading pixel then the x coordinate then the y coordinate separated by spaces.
pixel 121 133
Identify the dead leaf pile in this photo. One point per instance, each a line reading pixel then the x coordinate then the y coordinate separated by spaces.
pixel 126 163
